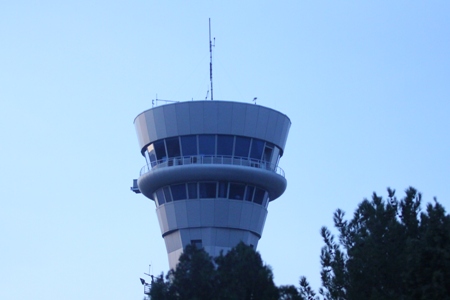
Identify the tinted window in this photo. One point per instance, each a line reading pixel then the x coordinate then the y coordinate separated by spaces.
pixel 223 190
pixel 160 197
pixel 259 196
pixel 178 191
pixel 173 147
pixel 268 150
pixel 249 193
pixel 207 189
pixel 160 150
pixel 225 145
pixel 237 191
pixel 276 154
pixel 152 154
pixel 207 144
pixel 147 158
pixel 192 190
pixel 242 146
pixel 189 145
pixel 197 244
pixel 167 194
pixel 257 149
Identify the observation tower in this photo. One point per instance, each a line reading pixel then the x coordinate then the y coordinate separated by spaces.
pixel 211 169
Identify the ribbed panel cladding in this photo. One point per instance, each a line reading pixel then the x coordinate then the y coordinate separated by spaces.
pixel 214 117
pixel 214 241
pixel 217 213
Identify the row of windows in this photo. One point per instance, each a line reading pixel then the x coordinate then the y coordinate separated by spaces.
pixel 212 145
pixel 203 190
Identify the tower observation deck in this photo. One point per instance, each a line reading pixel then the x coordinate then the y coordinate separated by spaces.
pixel 211 169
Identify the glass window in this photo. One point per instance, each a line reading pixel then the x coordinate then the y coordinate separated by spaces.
pixel 225 145
pixel 249 193
pixel 160 150
pixel 152 154
pixel 167 194
pixel 160 197
pixel 207 144
pixel 242 146
pixel 237 191
pixel 259 196
pixel 189 145
pixel 223 189
pixel 268 150
pixel 257 149
pixel 192 190
pixel 197 244
pixel 207 189
pixel 147 159
pixel 173 147
pixel 178 191
pixel 276 155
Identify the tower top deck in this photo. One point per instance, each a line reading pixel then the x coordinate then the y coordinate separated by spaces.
pixel 212 117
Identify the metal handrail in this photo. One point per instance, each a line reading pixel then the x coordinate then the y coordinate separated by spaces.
pixel 211 160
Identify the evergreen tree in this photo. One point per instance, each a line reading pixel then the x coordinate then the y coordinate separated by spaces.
pixel 194 277
pixel 237 275
pixel 161 289
pixel 242 275
pixel 428 272
pixel 388 250
pixel 289 292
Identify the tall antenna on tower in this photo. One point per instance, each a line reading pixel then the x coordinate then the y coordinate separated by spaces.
pixel 210 59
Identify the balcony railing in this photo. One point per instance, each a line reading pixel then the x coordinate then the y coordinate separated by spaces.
pixel 212 160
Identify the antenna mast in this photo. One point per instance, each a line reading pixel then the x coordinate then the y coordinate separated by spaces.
pixel 210 60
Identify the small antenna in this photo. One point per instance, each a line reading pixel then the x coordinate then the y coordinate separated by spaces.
pixel 149 272
pixel 156 100
pixel 210 59
pixel 153 100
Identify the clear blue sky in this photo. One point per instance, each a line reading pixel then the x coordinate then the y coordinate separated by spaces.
pixel 365 84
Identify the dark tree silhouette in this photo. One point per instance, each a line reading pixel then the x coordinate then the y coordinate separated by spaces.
pixel 289 292
pixel 237 275
pixel 242 275
pixel 194 277
pixel 388 250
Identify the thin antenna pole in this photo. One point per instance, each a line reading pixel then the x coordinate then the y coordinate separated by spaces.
pixel 210 60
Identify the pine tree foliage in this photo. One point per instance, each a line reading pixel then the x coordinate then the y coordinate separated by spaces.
pixel 388 250
pixel 194 277
pixel 289 292
pixel 240 274
pixel 306 292
pixel 243 275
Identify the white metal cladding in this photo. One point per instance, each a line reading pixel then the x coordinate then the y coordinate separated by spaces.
pixel 270 181
pixel 218 213
pixel 214 240
pixel 215 117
